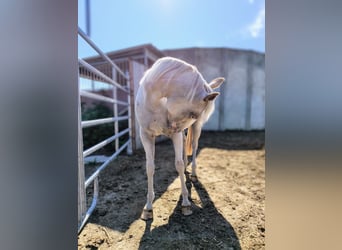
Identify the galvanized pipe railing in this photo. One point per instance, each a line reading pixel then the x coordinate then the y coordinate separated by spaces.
pixel 93 203
pixel 129 97
pixel 99 73
pixel 83 184
pixel 101 98
pixel 105 164
pixel 104 143
pixel 82 208
pixel 103 55
pixel 91 123
pixel 115 110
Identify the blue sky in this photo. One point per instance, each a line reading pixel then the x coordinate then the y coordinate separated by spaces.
pixel 169 24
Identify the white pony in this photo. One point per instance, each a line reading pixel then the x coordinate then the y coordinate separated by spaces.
pixel 173 96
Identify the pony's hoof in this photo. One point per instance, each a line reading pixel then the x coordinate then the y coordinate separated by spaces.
pixel 193 178
pixel 186 210
pixel 147 214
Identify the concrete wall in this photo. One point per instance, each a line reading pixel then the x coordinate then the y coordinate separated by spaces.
pixel 241 104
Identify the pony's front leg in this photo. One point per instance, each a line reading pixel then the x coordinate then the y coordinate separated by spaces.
pixel 178 146
pixel 148 142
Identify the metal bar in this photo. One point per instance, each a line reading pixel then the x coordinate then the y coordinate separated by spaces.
pixel 129 148
pixel 132 82
pixel 115 110
pixel 81 177
pixel 101 97
pixel 88 17
pixel 120 60
pixel 90 123
pixel 99 73
pixel 105 164
pixel 104 56
pixel 93 204
pixel 124 110
pixel 104 143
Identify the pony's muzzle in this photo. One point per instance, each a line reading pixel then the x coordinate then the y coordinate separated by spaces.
pixel 173 127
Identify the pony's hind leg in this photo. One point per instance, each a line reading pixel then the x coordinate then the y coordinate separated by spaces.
pixel 196 130
pixel 148 142
pixel 185 156
pixel 178 146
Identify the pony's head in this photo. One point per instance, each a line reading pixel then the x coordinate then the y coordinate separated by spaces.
pixel 182 113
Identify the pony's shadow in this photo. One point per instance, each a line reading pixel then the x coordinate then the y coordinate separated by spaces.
pixel 206 228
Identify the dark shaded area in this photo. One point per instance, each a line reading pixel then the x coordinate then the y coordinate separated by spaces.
pixel 232 140
pixel 206 228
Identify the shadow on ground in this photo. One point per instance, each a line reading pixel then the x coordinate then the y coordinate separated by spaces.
pixel 206 228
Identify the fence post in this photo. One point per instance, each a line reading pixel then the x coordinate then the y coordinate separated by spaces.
pixel 129 96
pixel 82 209
pixel 115 109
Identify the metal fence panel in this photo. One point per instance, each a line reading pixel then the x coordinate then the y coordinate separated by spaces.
pixel 90 72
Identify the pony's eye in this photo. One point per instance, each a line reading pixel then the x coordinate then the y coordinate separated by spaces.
pixel 192 115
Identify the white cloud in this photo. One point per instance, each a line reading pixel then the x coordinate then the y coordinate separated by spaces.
pixel 255 28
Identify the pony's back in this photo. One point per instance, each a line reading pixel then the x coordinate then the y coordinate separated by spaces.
pixel 176 77
pixel 168 68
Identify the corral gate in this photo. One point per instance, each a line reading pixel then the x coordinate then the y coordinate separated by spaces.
pixel 120 81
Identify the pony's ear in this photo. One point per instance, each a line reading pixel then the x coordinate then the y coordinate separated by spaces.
pixel 211 96
pixel 214 84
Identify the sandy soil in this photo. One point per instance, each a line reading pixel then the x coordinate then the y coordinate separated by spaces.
pixel 228 201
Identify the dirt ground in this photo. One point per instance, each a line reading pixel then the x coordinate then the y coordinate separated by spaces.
pixel 228 201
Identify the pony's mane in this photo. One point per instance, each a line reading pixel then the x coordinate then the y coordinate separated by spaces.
pixel 169 69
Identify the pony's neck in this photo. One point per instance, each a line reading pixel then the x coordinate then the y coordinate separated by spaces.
pixel 174 89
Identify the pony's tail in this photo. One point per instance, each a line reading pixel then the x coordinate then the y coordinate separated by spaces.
pixel 188 144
